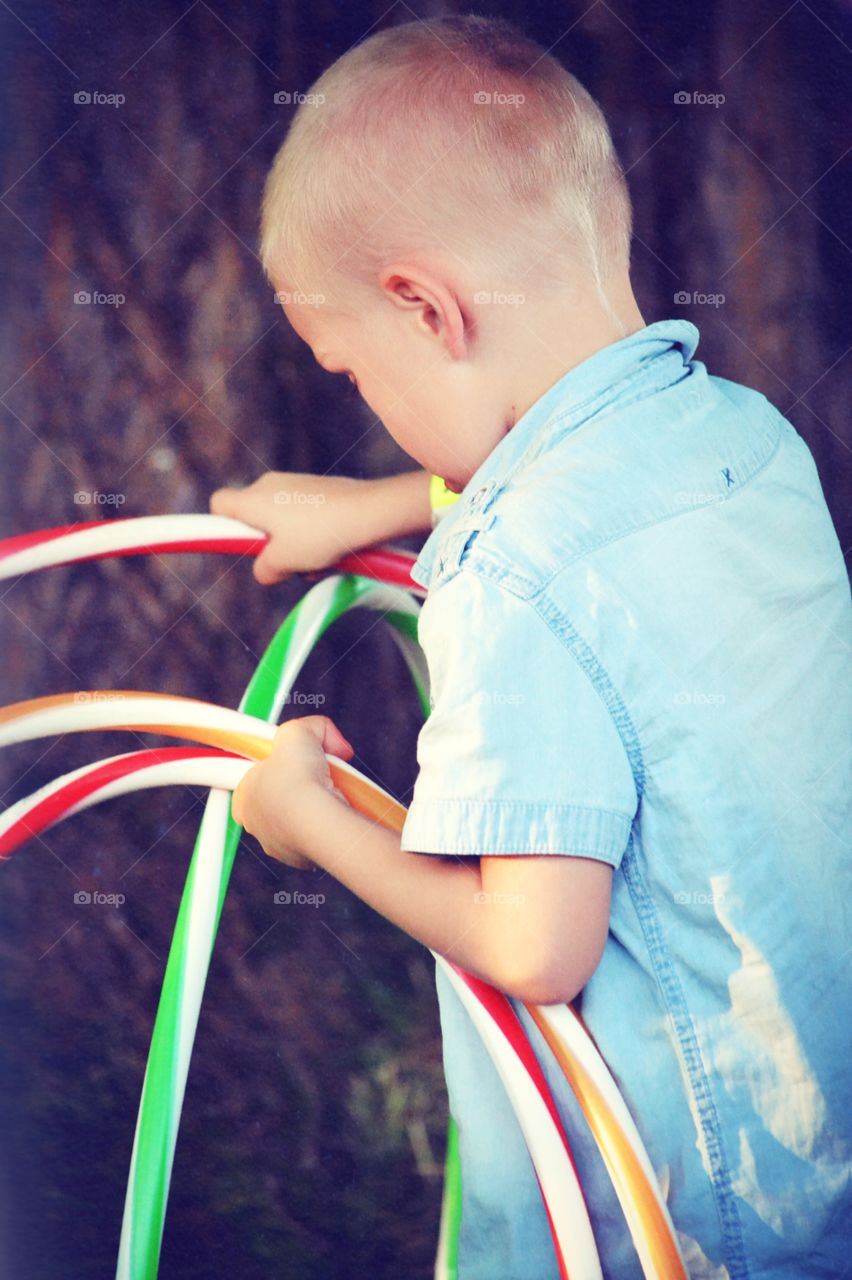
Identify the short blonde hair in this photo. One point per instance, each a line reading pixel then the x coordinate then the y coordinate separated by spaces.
pixel 458 136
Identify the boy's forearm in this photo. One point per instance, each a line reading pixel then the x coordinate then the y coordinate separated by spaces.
pixel 392 507
pixel 433 899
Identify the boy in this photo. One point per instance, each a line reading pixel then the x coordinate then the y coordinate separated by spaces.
pixel 633 780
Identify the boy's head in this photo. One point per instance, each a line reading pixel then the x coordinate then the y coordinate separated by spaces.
pixel 447 196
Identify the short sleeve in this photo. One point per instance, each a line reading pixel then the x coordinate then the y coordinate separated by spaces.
pixel 519 754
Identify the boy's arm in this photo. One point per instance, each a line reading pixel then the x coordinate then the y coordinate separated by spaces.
pixel 313 521
pixel 532 926
pixel 392 507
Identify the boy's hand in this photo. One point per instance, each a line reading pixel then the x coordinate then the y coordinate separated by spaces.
pixel 273 801
pixel 311 520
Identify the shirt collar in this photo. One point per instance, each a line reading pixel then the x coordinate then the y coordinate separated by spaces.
pixel 598 381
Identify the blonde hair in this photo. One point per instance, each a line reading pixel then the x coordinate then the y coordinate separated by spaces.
pixel 458 136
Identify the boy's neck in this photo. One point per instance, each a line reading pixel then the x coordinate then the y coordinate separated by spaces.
pixel 558 335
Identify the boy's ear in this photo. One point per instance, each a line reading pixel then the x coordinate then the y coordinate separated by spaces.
pixel 435 305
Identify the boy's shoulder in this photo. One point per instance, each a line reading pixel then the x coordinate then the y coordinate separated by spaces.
pixel 613 480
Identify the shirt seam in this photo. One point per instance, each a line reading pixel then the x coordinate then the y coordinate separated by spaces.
pixel 699 1080
pixel 528 804
pixel 528 589
pixel 594 839
pixel 751 455
pixel 609 396
pixel 596 673
pixel 564 631
pixel 594 854
pixel 561 416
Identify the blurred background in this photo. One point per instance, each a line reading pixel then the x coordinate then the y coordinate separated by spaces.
pixel 313 1132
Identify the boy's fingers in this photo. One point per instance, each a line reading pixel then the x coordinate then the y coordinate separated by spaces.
pixel 237 806
pixel 222 502
pixel 325 731
pixel 265 570
pixel 332 739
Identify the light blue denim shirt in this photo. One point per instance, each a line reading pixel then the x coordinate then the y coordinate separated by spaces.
pixel 638 632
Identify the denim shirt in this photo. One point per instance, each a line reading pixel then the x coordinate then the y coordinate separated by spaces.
pixel 638 630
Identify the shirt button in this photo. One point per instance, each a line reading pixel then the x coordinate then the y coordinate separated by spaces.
pixel 483 496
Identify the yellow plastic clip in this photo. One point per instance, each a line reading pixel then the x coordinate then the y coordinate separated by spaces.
pixel 440 498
